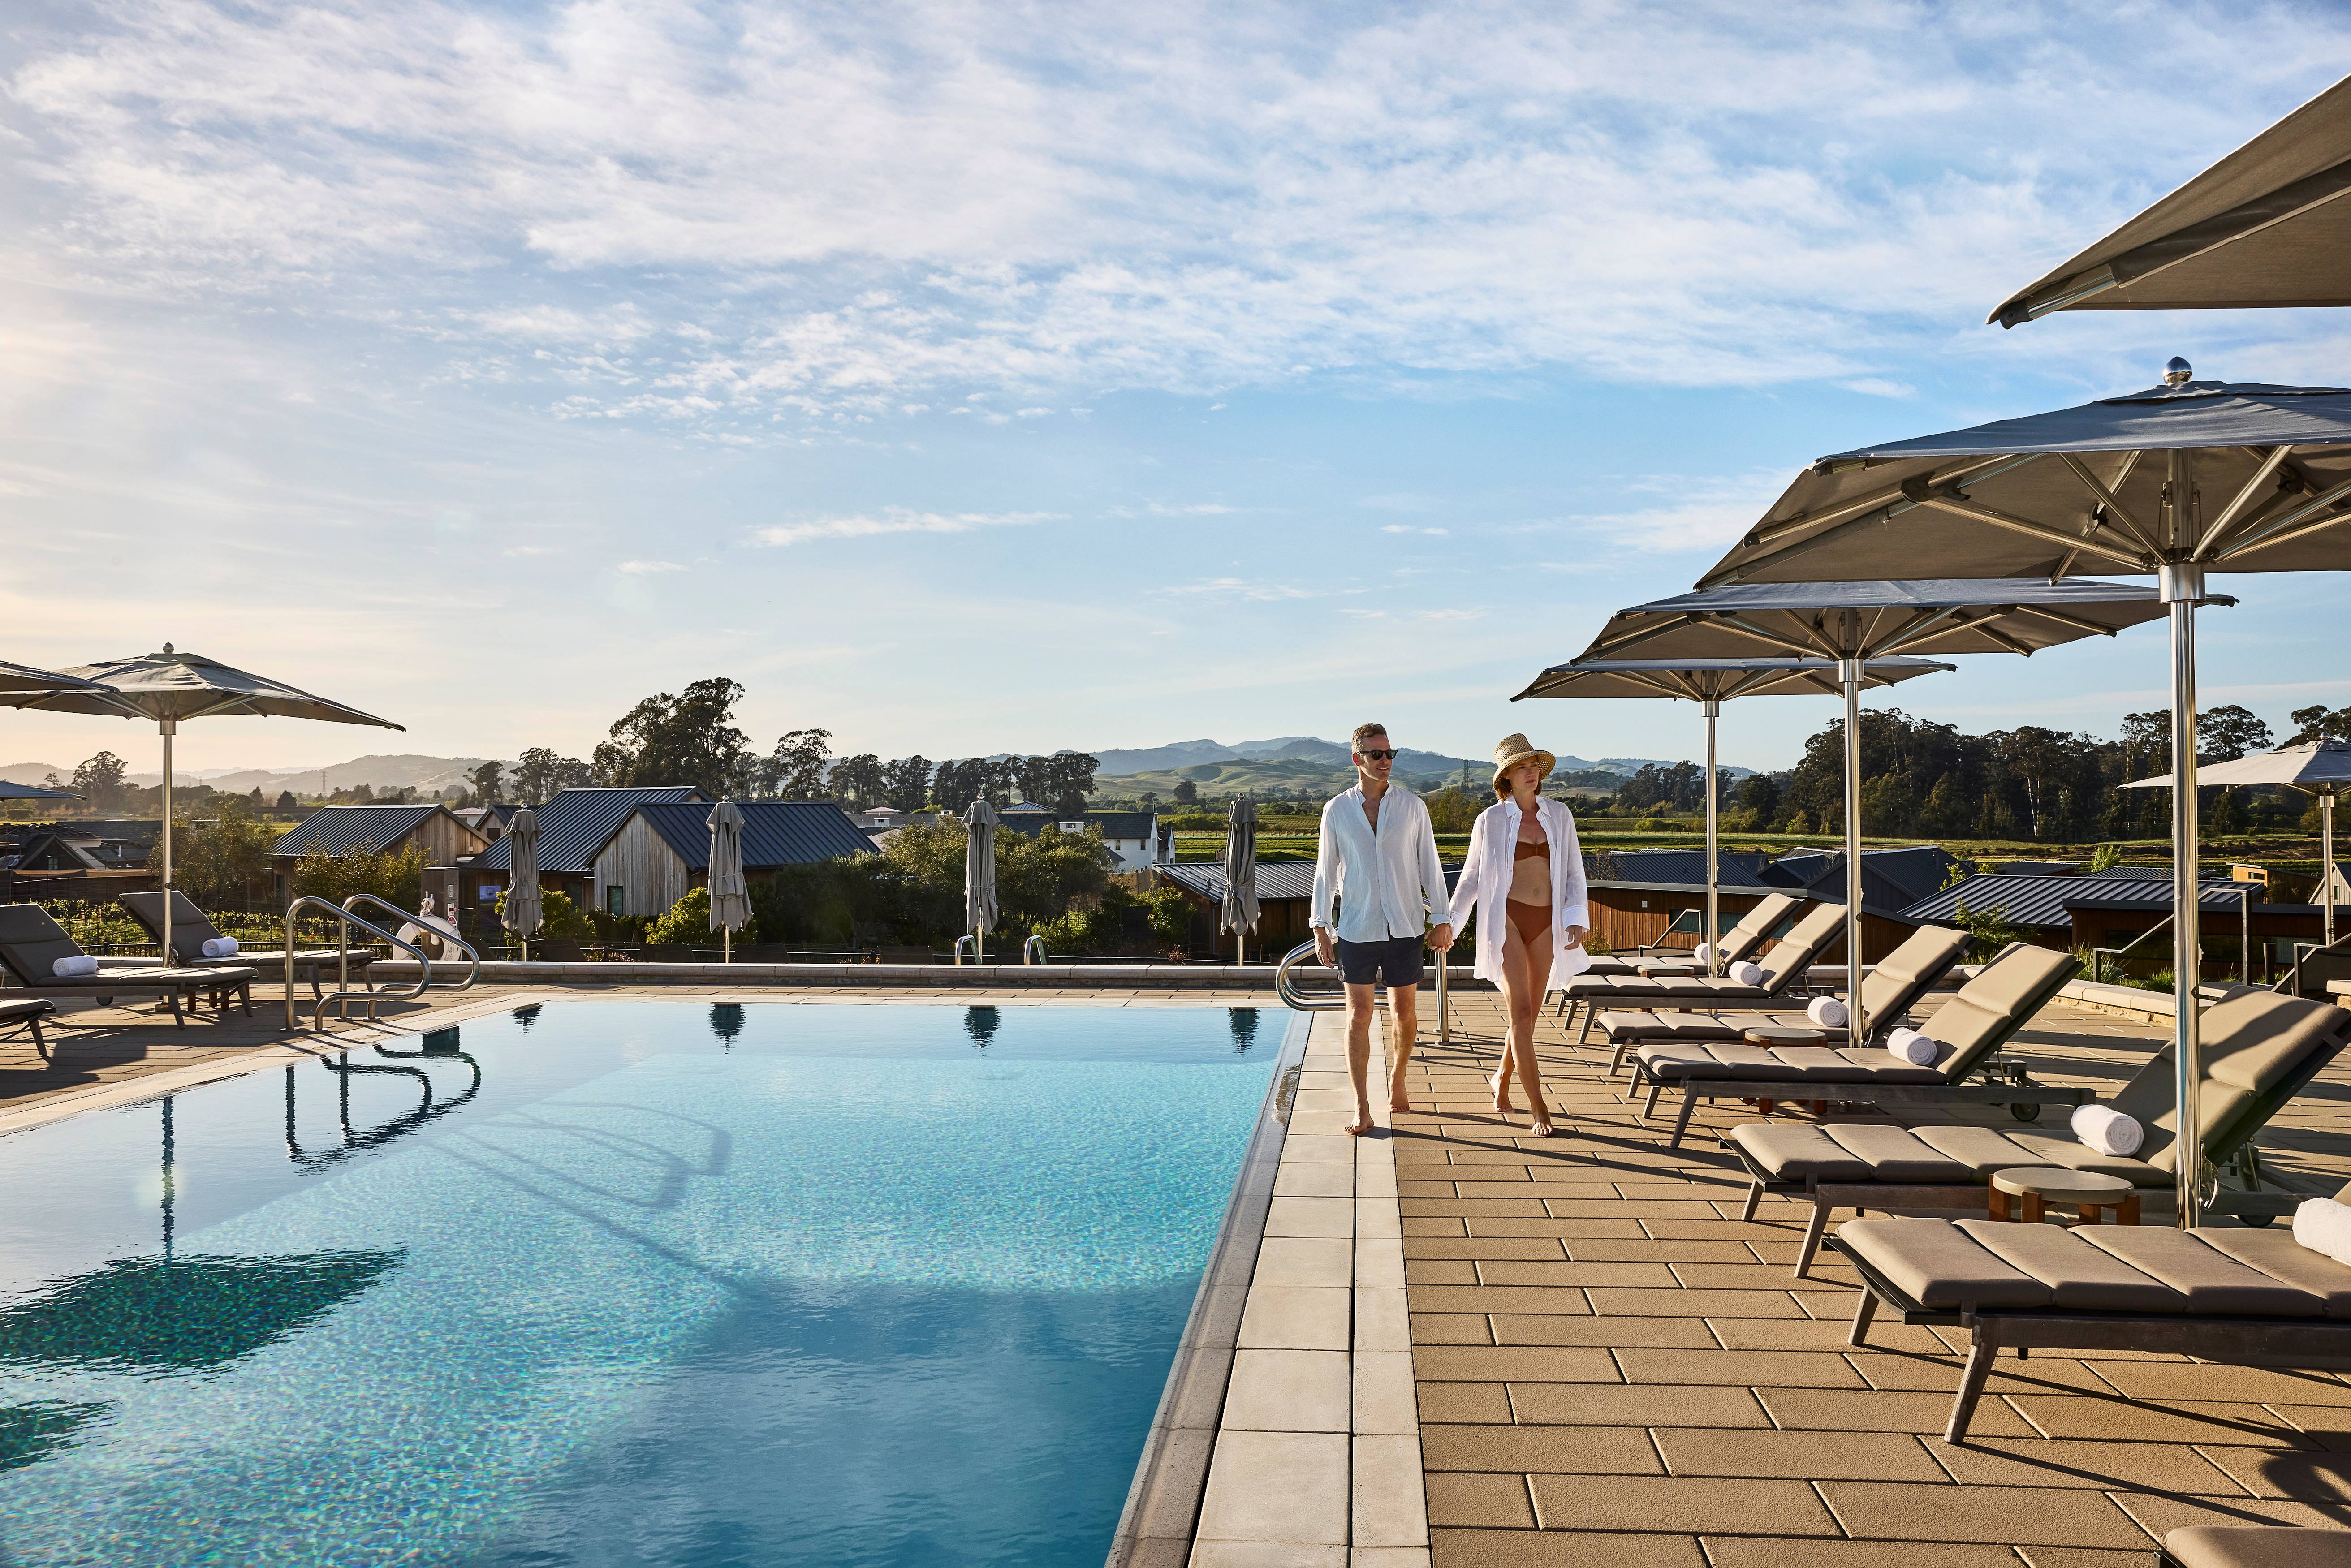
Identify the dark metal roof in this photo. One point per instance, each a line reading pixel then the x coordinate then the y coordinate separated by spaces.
pixel 1675 868
pixel 1114 824
pixel 1275 879
pixel 340 831
pixel 575 826
pixel 1890 879
pixel 2051 900
pixel 775 832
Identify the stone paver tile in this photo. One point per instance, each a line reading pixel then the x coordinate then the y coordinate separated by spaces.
pixel 1520 1249
pixel 1694 1304
pixel 2245 1425
pixel 1812 1456
pixel 1315 1181
pixel 1425 1207
pixel 1435 1227
pixel 1451 1328
pixel 1311 1217
pixel 2101 1467
pixel 1840 1410
pixel 1546 1549
pixel 2159 1515
pixel 1668 1251
pixel 2070 1556
pixel 1752 1551
pixel 1561 1450
pixel 2042 1374
pixel 1379 1262
pixel 1516 1364
pixel 1815 1333
pixel 1898 1510
pixel 1714 1227
pixel 1281 1487
pixel 1475 1404
pixel 1624 1404
pixel 1387 1557
pixel 2282 1472
pixel 1288 1391
pixel 1439 1271
pixel 1266 1554
pixel 1748 1276
pixel 1677 1504
pixel 1483 1224
pixel 1489 1501
pixel 1295 1318
pixel 1383 1321
pixel 1503 1272
pixel 1503 1298
pixel 1304 1260
pixel 1387 1401
pixel 1778 1368
pixel 1620 1208
pixel 1389 1492
pixel 2167 1380
pixel 1510 1328
pixel 1325 1149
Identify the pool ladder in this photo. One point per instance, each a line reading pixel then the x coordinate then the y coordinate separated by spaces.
pixel 1285 986
pixel 341 997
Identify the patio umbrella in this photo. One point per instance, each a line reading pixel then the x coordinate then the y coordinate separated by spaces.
pixel 2179 480
pixel 521 911
pixel 2265 226
pixel 2320 768
pixel 28 792
pixel 1711 682
pixel 730 895
pixel 1855 623
pixel 23 680
pixel 979 874
pixel 1239 912
pixel 171 687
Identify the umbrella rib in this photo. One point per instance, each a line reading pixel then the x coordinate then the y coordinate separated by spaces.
pixel 1983 514
pixel 1641 634
pixel 2242 499
pixel 2272 528
pixel 2078 622
pixel 1921 624
pixel 2286 538
pixel 2107 498
pixel 1879 506
pixel 1817 648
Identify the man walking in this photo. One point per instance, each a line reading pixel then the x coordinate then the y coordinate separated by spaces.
pixel 1378 857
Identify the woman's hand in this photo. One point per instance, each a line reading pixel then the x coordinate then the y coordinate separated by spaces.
pixel 1575 935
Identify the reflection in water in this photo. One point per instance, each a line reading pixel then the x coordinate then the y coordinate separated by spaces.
pixel 1243 1023
pixel 528 1015
pixel 726 1021
pixel 981 1024
pixel 31 1433
pixel 428 1108
pixel 163 1315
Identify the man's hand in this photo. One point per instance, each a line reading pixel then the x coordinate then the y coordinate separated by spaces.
pixel 1323 949
pixel 1441 938
pixel 1575 935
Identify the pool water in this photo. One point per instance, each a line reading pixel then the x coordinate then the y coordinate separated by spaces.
pixel 623 1283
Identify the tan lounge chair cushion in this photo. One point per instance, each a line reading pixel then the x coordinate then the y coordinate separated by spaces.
pixel 2255 1038
pixel 2258 1546
pixel 1792 1151
pixel 2213 1283
pixel 2081 1277
pixel 1939 1266
pixel 2064 1150
pixel 1982 1150
pixel 2276 1253
pixel 1894 1154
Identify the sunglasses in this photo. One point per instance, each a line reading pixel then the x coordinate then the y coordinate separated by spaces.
pixel 1376 755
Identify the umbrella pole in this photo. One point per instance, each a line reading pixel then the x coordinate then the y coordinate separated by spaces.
pixel 1849 673
pixel 168 726
pixel 2327 864
pixel 2181 585
pixel 1713 937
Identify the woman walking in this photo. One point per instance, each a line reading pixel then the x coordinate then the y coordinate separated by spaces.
pixel 1524 882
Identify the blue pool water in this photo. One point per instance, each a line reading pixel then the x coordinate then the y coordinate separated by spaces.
pixel 623 1283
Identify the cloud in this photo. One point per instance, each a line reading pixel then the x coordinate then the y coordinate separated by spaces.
pixel 1407 529
pixel 648 567
pixel 1878 386
pixel 893 520
pixel 1253 590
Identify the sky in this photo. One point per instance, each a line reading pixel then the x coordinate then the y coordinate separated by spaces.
pixel 968 379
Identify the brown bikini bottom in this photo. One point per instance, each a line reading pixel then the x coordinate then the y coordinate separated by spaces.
pixel 1529 920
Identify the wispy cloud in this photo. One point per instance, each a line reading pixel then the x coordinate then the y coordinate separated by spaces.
pixel 893 520
pixel 1408 529
pixel 649 568
pixel 1252 589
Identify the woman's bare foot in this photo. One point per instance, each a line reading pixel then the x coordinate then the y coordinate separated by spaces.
pixel 1501 1094
pixel 1541 1126
pixel 1361 1124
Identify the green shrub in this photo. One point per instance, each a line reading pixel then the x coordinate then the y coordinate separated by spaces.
pixel 1171 916
pixel 1655 825
pixel 397 879
pixel 558 916
pixel 686 922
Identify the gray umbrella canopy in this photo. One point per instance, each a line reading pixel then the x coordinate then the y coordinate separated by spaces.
pixel 24 681
pixel 1711 682
pixel 521 912
pixel 2178 480
pixel 979 822
pixel 1239 912
pixel 2265 226
pixel 730 895
pixel 170 686
pixel 2320 768
pixel 28 792
pixel 1856 624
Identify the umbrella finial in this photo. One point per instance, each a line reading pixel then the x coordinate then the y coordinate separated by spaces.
pixel 2176 370
pixel 167 647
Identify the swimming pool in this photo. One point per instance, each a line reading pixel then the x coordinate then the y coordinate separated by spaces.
pixel 622 1282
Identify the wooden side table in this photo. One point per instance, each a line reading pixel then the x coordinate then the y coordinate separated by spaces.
pixel 2033 1187
pixel 1770 1035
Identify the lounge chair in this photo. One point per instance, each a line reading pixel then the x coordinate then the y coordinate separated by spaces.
pixel 191 931
pixel 27 1013
pixel 1708 1058
pixel 1739 944
pixel 31 944
pixel 2255 1546
pixel 2221 1292
pixel 1783 967
pixel 1604 984
pixel 2259 1050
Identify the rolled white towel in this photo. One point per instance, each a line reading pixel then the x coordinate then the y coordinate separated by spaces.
pixel 1827 1012
pixel 2323 1224
pixel 1918 1048
pixel 2108 1131
pixel 220 947
pixel 1748 973
pixel 1704 955
pixel 74 968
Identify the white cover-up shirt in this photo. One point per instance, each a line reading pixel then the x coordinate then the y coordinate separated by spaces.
pixel 1389 883
pixel 1485 886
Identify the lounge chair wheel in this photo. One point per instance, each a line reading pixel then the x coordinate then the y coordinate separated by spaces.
pixel 2258 1221
pixel 2025 1113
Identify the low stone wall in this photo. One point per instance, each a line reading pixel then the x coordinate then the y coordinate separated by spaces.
pixel 927 977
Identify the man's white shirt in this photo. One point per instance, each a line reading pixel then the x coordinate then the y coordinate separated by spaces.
pixel 1388 882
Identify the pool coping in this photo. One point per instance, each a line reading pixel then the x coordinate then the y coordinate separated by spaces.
pixel 1163 1502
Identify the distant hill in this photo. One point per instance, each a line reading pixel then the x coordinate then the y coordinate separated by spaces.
pixel 408 769
pixel 1302 767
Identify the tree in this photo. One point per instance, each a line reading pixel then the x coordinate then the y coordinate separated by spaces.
pixel 860 781
pixel 796 769
pixel 688 738
pixel 1064 781
pixel 487 783
pixel 906 783
pixel 397 879
pixel 218 862
pixel 540 773
pixel 99 780
pixel 2225 734
pixel 2320 723
pixel 1186 792
pixel 285 801
pixel 956 785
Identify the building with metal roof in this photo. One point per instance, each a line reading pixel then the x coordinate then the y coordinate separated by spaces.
pixel 663 850
pixel 575 825
pixel 1133 838
pixel 340 831
pixel 2107 909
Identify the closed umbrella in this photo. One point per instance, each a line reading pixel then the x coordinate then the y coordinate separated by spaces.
pixel 1855 623
pixel 2179 480
pixel 979 874
pixel 2320 768
pixel 730 895
pixel 1710 683
pixel 2265 226
pixel 171 687
pixel 1239 912
pixel 522 914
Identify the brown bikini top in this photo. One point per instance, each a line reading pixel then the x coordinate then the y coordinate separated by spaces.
pixel 1532 850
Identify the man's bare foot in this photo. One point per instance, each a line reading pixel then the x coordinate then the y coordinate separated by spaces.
pixel 1501 1094
pixel 1361 1124
pixel 1396 1101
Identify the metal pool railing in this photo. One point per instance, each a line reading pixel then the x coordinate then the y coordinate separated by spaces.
pixel 1294 997
pixel 343 994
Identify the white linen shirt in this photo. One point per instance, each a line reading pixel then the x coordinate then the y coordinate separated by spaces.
pixel 1484 889
pixel 1389 883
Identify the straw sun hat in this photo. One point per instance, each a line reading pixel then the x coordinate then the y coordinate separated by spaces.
pixel 1515 749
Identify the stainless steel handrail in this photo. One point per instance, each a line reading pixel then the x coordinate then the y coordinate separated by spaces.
pixel 959 942
pixel 343 992
pixel 446 938
pixel 1285 986
pixel 1032 951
